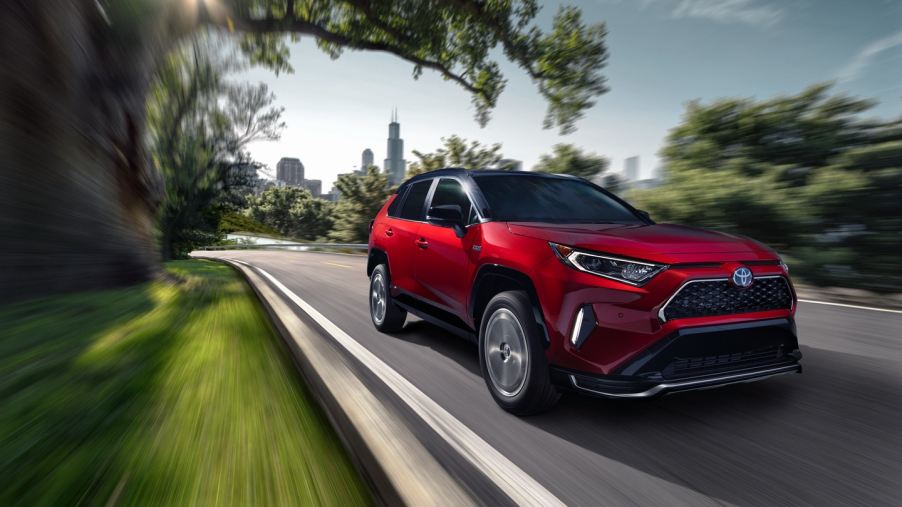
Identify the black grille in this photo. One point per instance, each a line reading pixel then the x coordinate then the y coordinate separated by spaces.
pixel 720 297
pixel 701 364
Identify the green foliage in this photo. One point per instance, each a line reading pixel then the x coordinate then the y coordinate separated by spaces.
pixel 199 125
pixel 362 196
pixel 236 222
pixel 174 392
pixel 292 211
pixel 613 183
pixel 456 39
pixel 806 173
pixel 568 159
pixel 456 152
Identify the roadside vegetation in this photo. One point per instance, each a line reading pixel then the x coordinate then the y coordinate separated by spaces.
pixel 812 174
pixel 170 392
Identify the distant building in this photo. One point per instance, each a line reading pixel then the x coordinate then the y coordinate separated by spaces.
pixel 366 160
pixel 631 169
pixel 315 187
pixel 333 195
pixel 395 165
pixel 510 164
pixel 290 171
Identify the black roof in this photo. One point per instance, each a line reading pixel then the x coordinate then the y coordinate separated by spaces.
pixel 459 171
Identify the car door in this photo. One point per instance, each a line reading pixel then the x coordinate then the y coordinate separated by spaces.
pixel 401 236
pixel 445 266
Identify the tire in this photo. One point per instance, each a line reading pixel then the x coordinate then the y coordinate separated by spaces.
pixel 385 314
pixel 512 356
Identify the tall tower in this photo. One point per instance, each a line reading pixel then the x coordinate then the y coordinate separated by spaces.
pixel 366 160
pixel 395 165
pixel 290 171
pixel 631 169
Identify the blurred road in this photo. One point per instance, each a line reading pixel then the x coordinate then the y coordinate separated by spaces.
pixel 832 435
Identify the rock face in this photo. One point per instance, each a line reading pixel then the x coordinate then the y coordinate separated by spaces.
pixel 78 195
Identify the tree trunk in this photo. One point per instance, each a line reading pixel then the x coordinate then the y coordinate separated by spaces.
pixel 78 196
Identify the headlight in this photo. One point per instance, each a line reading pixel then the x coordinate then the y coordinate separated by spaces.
pixel 622 270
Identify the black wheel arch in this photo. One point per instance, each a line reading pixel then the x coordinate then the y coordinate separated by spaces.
pixel 376 256
pixel 492 279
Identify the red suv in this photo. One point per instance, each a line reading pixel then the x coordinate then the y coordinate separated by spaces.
pixel 564 286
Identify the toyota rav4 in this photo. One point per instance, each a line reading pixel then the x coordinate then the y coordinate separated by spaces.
pixel 564 286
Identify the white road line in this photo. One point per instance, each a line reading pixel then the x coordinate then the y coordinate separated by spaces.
pixel 511 479
pixel 871 308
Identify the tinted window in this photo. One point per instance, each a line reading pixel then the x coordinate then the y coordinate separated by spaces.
pixel 543 199
pixel 450 191
pixel 412 209
pixel 396 203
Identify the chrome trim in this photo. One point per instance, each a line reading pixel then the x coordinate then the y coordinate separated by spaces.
pixel 687 385
pixel 664 306
pixel 577 324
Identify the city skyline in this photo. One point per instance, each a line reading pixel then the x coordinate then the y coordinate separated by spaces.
pixel 661 58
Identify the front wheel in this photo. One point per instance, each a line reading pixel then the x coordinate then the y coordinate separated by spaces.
pixel 512 357
pixel 386 315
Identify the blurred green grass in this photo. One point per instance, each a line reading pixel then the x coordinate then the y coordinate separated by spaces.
pixel 174 392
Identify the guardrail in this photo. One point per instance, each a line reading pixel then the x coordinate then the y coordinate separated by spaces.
pixel 290 246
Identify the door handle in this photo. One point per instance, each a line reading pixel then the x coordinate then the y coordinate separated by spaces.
pixel 422 243
pixel 389 232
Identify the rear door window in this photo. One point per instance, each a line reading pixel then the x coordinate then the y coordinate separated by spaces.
pixel 415 201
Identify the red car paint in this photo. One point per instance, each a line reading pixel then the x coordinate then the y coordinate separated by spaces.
pixel 432 263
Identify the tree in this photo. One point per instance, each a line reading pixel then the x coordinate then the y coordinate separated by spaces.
pixel 568 159
pixel 613 183
pixel 807 173
pixel 74 85
pixel 199 125
pixel 362 196
pixel 456 152
pixel 292 211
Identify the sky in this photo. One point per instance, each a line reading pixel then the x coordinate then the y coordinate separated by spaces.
pixel 663 54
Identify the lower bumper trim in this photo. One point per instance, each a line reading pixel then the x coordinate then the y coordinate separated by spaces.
pixel 690 384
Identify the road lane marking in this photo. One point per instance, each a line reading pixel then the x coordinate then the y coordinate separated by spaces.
pixel 857 307
pixel 511 479
pixel 337 264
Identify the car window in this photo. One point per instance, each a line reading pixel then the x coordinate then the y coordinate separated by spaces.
pixel 529 198
pixel 412 209
pixel 450 191
pixel 395 205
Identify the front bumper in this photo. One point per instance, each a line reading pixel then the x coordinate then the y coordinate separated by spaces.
pixel 697 358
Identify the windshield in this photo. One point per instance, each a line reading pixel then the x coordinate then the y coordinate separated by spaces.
pixel 526 198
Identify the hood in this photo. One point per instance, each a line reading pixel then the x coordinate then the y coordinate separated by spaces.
pixel 666 243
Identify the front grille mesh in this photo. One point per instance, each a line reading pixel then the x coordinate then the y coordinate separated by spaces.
pixel 690 365
pixel 720 297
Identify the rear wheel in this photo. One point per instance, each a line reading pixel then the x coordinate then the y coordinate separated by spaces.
pixel 512 357
pixel 386 315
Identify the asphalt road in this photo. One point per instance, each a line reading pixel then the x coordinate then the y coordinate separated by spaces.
pixel 831 436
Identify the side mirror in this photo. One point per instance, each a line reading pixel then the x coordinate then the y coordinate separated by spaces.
pixel 644 214
pixel 447 215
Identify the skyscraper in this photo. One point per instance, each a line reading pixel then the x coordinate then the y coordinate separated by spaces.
pixel 315 187
pixel 290 171
pixel 366 160
pixel 631 169
pixel 395 165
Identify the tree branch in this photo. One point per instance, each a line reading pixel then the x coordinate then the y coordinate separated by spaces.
pixel 297 26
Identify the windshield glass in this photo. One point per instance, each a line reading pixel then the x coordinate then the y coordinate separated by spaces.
pixel 526 198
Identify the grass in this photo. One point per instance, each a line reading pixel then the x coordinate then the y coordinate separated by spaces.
pixel 160 394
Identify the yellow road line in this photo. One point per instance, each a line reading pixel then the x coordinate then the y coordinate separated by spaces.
pixel 337 264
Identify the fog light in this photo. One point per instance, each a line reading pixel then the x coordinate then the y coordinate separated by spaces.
pixel 583 325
